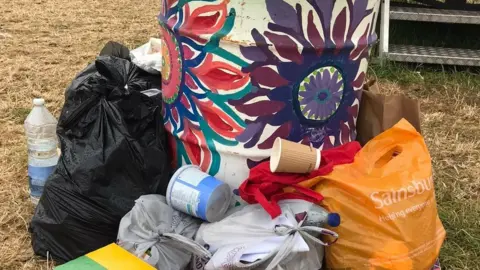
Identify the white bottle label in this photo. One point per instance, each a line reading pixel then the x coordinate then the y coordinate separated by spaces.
pixel 185 198
pixel 37 177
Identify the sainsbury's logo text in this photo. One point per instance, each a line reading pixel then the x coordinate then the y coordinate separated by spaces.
pixel 415 187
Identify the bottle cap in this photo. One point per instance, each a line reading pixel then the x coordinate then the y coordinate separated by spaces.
pixel 333 220
pixel 38 101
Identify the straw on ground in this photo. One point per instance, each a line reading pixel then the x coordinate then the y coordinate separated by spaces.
pixel 44 43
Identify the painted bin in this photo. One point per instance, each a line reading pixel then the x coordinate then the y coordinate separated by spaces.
pixel 239 73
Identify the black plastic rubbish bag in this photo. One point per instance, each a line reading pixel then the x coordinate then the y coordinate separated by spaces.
pixel 114 150
pixel 116 49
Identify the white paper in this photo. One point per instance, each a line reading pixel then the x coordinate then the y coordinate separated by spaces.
pixel 253 257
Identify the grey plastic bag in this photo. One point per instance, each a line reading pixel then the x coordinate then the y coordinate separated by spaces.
pixel 249 239
pixel 160 235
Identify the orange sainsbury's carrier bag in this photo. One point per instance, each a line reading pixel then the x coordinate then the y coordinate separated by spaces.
pixel 386 199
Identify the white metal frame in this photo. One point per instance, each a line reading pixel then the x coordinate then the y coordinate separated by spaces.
pixel 423 54
pixel 384 30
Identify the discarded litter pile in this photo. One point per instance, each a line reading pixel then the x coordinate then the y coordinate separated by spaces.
pixel 266 170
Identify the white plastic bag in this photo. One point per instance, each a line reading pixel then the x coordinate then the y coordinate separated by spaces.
pixel 160 235
pixel 250 239
pixel 148 56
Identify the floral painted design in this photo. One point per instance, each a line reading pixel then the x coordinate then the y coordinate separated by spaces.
pixel 320 93
pixel 171 68
pixel 199 77
pixel 306 70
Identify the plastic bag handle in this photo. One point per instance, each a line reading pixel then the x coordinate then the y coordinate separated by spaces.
pixel 189 245
pixel 286 248
pixel 305 231
pixel 105 65
pixel 378 155
pixel 398 136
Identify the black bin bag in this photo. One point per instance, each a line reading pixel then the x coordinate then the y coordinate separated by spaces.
pixel 114 150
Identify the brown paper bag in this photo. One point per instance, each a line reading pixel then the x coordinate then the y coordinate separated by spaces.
pixel 379 112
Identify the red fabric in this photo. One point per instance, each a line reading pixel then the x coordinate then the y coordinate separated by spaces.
pixel 267 188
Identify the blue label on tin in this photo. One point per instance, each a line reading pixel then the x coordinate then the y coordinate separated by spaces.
pixel 205 188
pixel 37 176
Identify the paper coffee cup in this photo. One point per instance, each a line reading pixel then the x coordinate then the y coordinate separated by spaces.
pixel 290 157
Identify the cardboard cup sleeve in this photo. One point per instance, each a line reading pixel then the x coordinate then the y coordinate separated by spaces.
pixel 291 157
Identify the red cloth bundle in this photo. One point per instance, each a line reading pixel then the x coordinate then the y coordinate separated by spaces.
pixel 267 188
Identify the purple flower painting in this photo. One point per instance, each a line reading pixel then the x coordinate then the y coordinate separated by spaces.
pixel 307 70
pixel 320 93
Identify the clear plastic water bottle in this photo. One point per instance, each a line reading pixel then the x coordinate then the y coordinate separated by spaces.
pixel 40 129
pixel 319 217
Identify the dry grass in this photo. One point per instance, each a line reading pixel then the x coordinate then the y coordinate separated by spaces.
pixel 44 43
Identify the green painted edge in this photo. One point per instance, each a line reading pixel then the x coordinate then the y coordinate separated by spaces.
pixel 82 263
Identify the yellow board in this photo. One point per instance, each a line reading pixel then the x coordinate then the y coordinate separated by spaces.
pixel 113 257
